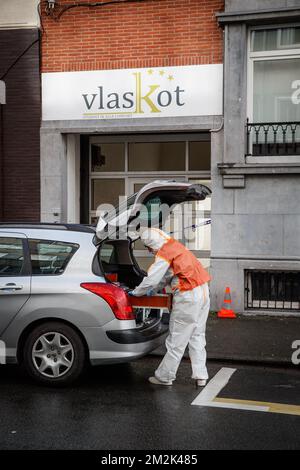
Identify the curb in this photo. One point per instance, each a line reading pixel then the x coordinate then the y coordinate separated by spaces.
pixel 267 361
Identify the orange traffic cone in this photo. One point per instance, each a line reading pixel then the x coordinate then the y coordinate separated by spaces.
pixel 226 311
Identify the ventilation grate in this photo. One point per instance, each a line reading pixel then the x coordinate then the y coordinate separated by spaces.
pixel 272 290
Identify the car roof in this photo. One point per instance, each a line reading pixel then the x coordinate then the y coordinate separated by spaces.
pixel 47 226
pixel 70 233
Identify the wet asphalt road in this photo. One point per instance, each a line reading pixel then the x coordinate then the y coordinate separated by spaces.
pixel 114 407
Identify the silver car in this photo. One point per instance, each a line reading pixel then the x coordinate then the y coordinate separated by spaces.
pixel 63 300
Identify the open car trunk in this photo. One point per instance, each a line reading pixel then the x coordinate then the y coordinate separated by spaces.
pixel 147 208
pixel 118 264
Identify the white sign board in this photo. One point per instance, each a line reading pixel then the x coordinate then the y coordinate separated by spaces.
pixel 133 93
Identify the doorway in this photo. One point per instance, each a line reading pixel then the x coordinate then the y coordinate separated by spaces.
pixel 121 165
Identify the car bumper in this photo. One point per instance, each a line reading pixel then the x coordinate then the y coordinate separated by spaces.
pixel 143 334
pixel 113 344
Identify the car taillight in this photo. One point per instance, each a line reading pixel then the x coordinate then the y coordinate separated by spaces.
pixel 116 298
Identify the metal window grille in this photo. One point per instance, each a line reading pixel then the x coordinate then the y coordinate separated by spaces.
pixel 272 290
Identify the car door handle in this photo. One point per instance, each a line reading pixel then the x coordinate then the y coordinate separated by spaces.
pixel 11 286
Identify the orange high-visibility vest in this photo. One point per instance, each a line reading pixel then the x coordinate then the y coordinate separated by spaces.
pixel 184 264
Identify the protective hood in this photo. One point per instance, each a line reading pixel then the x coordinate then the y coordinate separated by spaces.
pixel 154 238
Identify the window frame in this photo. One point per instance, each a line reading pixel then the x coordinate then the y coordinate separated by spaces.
pixel 252 57
pixel 279 54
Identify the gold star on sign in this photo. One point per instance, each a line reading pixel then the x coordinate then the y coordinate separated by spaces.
pixel 170 77
pixel 150 72
pixel 161 73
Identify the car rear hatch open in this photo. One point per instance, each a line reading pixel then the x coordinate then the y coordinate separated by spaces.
pixel 148 207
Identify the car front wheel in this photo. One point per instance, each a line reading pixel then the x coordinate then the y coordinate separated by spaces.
pixel 54 354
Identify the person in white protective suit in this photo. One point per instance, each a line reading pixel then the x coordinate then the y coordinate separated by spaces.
pixel 175 265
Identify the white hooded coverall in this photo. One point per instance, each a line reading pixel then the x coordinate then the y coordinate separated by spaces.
pixel 175 265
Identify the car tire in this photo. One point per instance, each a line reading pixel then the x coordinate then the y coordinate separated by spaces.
pixel 54 354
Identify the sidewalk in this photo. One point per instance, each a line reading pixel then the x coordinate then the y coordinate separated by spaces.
pixel 251 338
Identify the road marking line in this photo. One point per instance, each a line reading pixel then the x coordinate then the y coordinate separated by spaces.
pixel 214 386
pixel 208 397
pixel 256 406
pixel 234 406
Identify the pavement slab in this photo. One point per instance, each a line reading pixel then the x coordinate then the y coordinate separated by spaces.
pixel 252 338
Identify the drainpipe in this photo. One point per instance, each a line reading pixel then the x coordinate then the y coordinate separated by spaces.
pixel 218 129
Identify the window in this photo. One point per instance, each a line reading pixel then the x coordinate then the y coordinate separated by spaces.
pixel 50 257
pixel 11 256
pixel 107 157
pixel 157 156
pixel 275 39
pixel 150 213
pixel 107 191
pixel 199 155
pixel 275 59
pixel 274 94
pixel 108 253
pixel 273 90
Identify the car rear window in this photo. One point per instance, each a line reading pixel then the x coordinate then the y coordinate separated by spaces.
pixel 50 257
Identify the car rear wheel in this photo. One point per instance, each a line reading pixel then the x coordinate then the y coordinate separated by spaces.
pixel 54 354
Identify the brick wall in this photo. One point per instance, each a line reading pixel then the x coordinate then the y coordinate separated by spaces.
pixel 20 127
pixel 149 33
